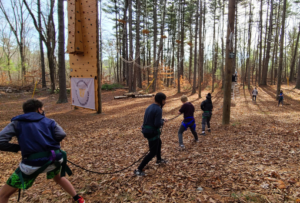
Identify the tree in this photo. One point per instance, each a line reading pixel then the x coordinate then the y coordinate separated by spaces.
pixel 281 49
pixel 260 42
pixel 229 63
pixel 294 57
pixel 61 53
pixel 195 52
pixel 249 46
pixel 132 86
pixel 200 72
pixel 8 49
pixel 267 56
pixel 137 70
pixel 48 37
pixel 17 23
pixel 42 58
pixel 298 75
pixel 154 43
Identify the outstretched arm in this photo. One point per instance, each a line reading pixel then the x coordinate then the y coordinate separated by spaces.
pixel 59 133
pixel 5 137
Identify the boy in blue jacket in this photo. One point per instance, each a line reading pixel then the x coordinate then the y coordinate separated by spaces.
pixel 280 99
pixel 39 142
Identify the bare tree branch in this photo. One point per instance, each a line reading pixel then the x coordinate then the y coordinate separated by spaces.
pixel 34 21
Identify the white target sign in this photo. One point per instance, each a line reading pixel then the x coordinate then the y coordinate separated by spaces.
pixel 83 92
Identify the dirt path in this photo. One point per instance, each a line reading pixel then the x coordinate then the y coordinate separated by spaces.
pixel 242 162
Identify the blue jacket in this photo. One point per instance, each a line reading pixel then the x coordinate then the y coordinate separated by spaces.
pixel 35 133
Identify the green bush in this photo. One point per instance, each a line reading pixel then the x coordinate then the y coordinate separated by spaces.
pixel 111 86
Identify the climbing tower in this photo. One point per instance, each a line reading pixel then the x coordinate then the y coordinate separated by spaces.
pixel 83 49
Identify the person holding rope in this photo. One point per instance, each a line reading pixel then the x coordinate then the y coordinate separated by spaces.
pixel 254 94
pixel 280 98
pixel 151 130
pixel 207 108
pixel 187 109
pixel 39 142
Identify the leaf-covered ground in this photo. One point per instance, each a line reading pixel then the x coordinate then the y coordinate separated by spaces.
pixel 254 159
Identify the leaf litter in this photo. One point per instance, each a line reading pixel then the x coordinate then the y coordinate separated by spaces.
pixel 255 158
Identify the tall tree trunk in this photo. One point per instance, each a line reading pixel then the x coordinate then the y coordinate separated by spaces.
pixel 249 47
pixel 178 48
pixel 173 58
pixel 235 40
pixel 63 98
pixel 182 39
pixel 117 41
pixel 41 45
pixel 298 76
pixel 124 51
pixel 154 44
pixel 281 49
pixel 200 71
pixel 222 65
pixel 260 43
pixel 137 46
pixel 294 57
pixel 195 53
pixel 229 64
pixel 275 49
pixel 214 52
pixel 267 57
pixel 131 78
pixel 191 47
pixel 203 40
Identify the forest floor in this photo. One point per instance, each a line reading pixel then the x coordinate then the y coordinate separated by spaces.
pixel 254 159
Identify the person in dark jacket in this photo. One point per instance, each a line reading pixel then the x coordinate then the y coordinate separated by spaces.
pixel 280 98
pixel 207 108
pixel 151 130
pixel 188 110
pixel 36 135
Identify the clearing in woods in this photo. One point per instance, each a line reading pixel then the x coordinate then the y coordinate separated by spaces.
pixel 254 159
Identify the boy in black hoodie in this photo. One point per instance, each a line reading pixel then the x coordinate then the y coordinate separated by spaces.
pixel 151 130
pixel 207 108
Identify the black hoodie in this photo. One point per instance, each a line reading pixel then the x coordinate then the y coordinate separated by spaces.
pixel 207 105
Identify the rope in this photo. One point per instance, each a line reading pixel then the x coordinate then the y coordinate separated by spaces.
pixel 100 173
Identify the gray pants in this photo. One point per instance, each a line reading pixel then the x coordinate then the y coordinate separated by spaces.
pixel 206 120
pixel 182 129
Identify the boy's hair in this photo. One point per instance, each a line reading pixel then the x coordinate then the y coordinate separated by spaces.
pixel 184 98
pixel 281 91
pixel 32 105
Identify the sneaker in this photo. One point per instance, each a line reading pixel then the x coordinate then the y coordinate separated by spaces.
pixel 209 130
pixel 203 134
pixel 181 146
pixel 80 200
pixel 196 140
pixel 162 161
pixel 137 172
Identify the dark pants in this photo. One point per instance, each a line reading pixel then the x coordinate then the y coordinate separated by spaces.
pixel 155 150
pixel 254 97
pixel 205 120
pixel 182 129
pixel 280 101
